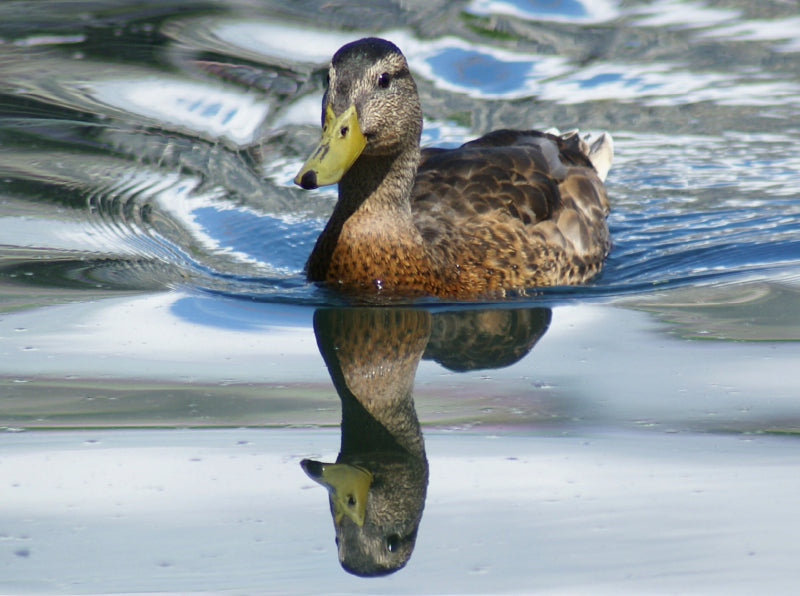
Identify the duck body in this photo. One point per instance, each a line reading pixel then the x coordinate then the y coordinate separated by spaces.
pixel 512 210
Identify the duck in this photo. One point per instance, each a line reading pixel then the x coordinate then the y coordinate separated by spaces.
pixel 511 211
pixel 378 484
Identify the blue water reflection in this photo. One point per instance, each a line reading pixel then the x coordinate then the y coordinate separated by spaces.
pixel 559 10
pixel 273 242
pixel 151 273
pixel 199 180
pixel 480 71
pixel 567 8
pixel 236 315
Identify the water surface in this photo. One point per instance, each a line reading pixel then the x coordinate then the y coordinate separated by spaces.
pixel 151 287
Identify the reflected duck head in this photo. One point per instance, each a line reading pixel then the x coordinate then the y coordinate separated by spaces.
pixel 376 513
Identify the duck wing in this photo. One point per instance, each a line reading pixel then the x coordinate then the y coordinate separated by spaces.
pixel 527 203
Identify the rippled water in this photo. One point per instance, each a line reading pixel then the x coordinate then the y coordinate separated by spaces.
pixel 155 148
pixel 151 254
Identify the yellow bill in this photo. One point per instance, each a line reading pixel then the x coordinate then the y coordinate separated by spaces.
pixel 347 486
pixel 341 144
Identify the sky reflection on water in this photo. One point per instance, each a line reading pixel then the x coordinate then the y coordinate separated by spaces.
pixel 198 226
pixel 571 11
pixel 151 254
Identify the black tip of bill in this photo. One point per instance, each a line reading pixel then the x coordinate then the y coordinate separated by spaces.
pixel 312 468
pixel 309 180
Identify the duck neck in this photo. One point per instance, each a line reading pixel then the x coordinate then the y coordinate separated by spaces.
pixel 379 185
pixel 372 355
pixel 372 217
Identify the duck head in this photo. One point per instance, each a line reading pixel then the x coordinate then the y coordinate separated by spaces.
pixel 371 107
pixel 376 506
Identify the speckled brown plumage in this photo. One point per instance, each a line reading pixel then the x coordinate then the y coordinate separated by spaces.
pixel 512 210
pixel 372 355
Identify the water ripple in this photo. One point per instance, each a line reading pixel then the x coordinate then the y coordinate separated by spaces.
pixel 195 189
pixel 571 11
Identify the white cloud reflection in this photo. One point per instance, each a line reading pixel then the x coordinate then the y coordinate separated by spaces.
pixel 279 40
pixel 785 32
pixel 451 63
pixel 680 14
pixel 573 11
pixel 212 111
pixel 486 72
pixel 719 23
pixel 666 84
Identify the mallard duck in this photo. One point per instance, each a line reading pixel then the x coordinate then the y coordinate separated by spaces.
pixel 511 210
pixel 377 485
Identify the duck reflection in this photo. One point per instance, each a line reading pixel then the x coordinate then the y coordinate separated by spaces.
pixel 377 485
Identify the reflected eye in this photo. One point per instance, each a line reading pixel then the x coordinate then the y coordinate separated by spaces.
pixel 384 80
pixel 392 543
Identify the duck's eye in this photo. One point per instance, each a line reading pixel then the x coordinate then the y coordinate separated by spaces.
pixel 392 543
pixel 384 80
